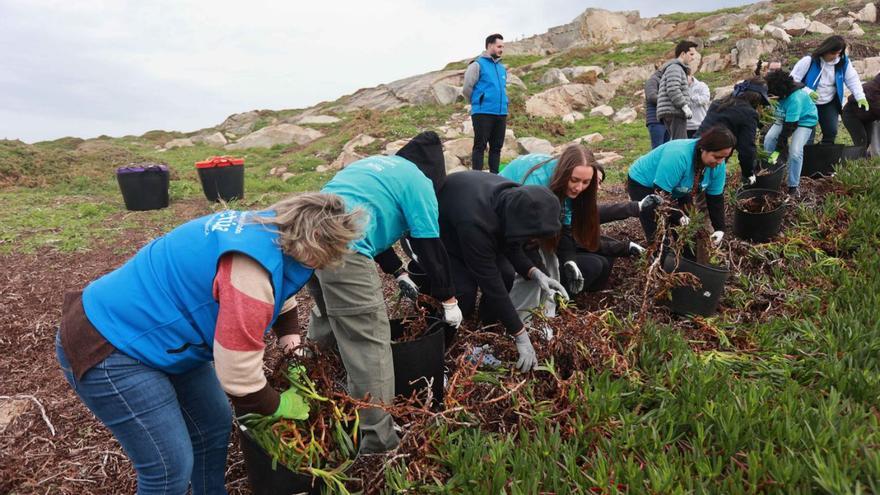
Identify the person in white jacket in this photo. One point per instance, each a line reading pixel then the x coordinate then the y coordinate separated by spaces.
pixel 698 92
pixel 825 73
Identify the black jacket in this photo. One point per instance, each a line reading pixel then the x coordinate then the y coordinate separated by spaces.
pixel 742 120
pixel 483 215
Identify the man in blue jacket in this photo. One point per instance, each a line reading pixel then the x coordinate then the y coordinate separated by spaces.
pixel 485 84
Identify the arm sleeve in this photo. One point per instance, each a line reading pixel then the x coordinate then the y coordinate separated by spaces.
pixel 471 76
pixel 715 205
pixel 701 94
pixel 420 209
pixel 480 256
pixel 245 296
pixel 794 108
pixel 388 261
pixel 854 83
pixel 613 212
pixel 676 75
pixel 287 322
pixel 670 171
pixel 746 149
pixel 799 71
pixel 435 261
pixel 652 85
pixel 567 248
pixel 521 259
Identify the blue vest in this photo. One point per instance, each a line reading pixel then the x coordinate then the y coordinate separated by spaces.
pixel 811 79
pixel 490 93
pixel 159 306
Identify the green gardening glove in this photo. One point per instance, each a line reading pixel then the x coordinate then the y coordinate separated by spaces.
pixel 773 157
pixel 291 406
pixel 863 104
pixel 814 96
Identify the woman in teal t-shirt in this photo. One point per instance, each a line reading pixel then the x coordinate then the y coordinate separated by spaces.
pixel 677 168
pixel 796 117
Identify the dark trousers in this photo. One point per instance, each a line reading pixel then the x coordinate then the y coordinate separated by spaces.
pixel 676 126
pixel 488 129
pixel 829 113
pixel 637 192
pixel 595 268
pixel 658 133
pixel 859 130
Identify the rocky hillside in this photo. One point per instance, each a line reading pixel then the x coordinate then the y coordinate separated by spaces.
pixel 580 81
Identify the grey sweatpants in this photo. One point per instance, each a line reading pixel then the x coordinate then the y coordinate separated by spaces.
pixel 350 309
pixel 676 126
pixel 527 296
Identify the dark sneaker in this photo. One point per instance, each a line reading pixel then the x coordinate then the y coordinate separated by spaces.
pixel 794 192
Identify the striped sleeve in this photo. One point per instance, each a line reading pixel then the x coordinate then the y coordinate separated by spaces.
pixel 244 292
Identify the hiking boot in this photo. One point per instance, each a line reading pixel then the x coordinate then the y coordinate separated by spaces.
pixel 794 192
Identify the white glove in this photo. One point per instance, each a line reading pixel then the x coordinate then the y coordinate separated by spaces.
pixel 751 180
pixel 636 249
pixel 289 342
pixel 688 114
pixel 548 284
pixel 527 357
pixel 574 276
pixel 684 220
pixel 716 237
pixel 407 287
pixel 452 313
pixel 650 201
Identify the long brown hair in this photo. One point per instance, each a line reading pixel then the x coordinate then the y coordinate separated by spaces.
pixel 585 211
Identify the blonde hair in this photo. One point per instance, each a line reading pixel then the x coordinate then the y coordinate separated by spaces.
pixel 314 228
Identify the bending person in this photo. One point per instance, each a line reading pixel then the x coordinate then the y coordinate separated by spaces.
pixel 349 308
pixel 682 169
pixel 137 344
pixel 488 225
pixel 859 121
pixel 796 117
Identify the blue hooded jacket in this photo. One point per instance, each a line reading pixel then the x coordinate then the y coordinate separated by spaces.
pixel 490 92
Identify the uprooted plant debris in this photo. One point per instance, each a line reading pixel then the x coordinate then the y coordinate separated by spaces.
pixel 764 203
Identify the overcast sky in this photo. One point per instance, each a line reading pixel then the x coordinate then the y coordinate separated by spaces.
pixel 88 67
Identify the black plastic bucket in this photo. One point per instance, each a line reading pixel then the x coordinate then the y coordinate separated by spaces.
pixel 419 361
pixel 820 159
pixel 702 300
pixel 143 186
pixel 771 180
pixel 757 227
pixel 222 178
pixel 267 481
pixel 853 153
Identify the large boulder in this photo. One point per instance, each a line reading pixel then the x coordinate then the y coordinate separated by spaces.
pixel 777 33
pixel 513 80
pixel 240 123
pixel 715 62
pixel 216 140
pixel 603 110
pixel 510 150
pixel 460 148
pixel 433 88
pixel 179 143
pixel 590 138
pixel 844 23
pixel 561 100
pixel 856 30
pixel 626 115
pixel 796 25
pixel 867 68
pixel 534 145
pixel 273 135
pixel 571 118
pixel 748 51
pixel 553 77
pixel 867 14
pixel 394 146
pixel 818 27
pixel 317 119
pixel 631 74
pixel 573 73
pixel 453 163
pixel 723 91
pixel 446 93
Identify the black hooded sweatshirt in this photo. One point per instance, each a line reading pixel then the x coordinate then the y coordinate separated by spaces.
pixel 742 120
pixel 485 215
pixel 426 152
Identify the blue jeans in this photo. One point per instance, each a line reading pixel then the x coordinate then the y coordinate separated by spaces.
pixel 174 428
pixel 658 133
pixel 829 114
pixel 799 138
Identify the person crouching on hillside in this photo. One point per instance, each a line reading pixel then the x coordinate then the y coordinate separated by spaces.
pixel 683 168
pixel 796 117
pixel 151 347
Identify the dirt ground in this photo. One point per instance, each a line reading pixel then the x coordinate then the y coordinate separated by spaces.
pixel 80 456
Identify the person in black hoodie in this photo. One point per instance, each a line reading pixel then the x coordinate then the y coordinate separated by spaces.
pixel 858 120
pixel 488 225
pixel 426 152
pixel 739 113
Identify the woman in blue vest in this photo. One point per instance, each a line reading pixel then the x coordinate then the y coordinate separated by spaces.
pixel 151 347
pixel 796 117
pixel 825 73
pixel 682 168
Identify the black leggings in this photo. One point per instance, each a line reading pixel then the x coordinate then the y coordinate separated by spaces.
pixel 488 129
pixel 647 218
pixel 595 268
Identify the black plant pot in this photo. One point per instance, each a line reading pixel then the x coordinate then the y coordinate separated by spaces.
pixel 420 361
pixel 268 480
pixel 771 180
pixel 757 227
pixel 143 188
pixel 702 300
pixel 853 153
pixel 820 159
pixel 223 183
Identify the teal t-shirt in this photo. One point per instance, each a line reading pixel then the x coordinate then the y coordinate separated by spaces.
pixel 671 168
pixel 397 197
pixel 541 176
pixel 798 107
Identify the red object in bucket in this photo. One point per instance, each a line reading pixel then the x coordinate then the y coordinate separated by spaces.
pixel 220 161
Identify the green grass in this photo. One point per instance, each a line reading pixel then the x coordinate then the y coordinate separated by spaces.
pixel 693 16
pixel 598 55
pixel 795 413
